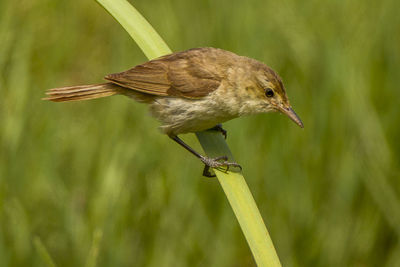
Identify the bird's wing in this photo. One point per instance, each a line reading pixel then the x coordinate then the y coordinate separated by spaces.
pixel 181 74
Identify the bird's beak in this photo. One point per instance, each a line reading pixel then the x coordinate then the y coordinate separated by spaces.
pixel 292 115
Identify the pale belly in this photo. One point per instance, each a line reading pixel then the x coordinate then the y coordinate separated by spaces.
pixel 179 115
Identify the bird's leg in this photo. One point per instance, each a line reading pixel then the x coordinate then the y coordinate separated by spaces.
pixel 209 162
pixel 219 128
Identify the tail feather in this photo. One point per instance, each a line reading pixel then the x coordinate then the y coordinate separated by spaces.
pixel 81 92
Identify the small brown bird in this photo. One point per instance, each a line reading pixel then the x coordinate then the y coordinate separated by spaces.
pixel 192 91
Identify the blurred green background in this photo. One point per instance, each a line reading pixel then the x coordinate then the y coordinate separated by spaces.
pixel 94 183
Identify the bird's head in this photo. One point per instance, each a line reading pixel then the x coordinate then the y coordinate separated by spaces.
pixel 272 94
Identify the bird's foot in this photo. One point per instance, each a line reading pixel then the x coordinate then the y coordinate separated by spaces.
pixel 217 162
pixel 219 128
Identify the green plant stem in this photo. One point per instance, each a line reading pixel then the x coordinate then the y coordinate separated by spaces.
pixel 242 202
pixel 233 183
pixel 136 25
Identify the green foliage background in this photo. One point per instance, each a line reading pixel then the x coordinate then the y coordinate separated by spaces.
pixel 95 183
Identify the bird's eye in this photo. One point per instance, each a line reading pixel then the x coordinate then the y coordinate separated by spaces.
pixel 269 92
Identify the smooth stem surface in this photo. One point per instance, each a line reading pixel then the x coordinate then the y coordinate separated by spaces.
pixel 233 183
pixel 136 25
pixel 242 202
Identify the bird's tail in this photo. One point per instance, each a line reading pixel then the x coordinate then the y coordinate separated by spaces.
pixel 82 92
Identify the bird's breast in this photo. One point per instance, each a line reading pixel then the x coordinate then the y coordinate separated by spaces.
pixel 182 115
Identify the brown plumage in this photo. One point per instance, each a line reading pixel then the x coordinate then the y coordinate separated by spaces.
pixel 164 76
pixel 81 92
pixel 193 90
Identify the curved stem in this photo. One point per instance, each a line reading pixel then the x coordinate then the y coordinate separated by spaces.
pixel 233 183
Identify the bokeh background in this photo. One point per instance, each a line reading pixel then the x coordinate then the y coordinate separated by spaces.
pixel 95 184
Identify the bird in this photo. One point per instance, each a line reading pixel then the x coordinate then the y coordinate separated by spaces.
pixel 192 91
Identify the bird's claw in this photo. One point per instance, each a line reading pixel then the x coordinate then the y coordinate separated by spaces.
pixel 214 162
pixel 217 163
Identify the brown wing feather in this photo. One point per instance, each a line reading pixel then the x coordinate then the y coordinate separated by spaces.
pixel 183 74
